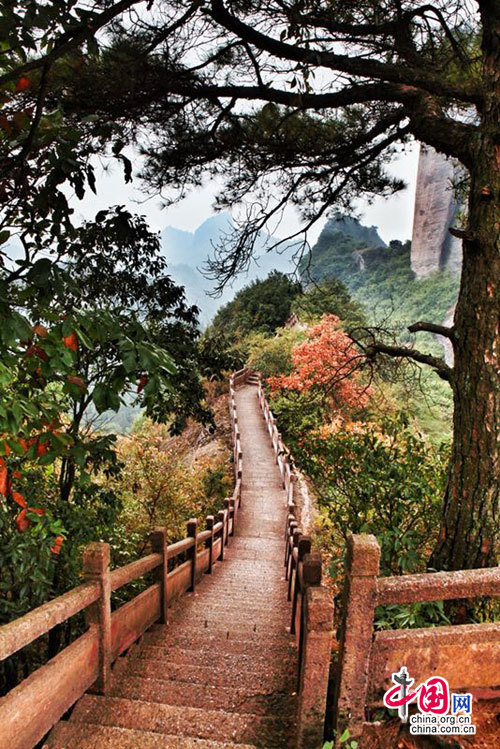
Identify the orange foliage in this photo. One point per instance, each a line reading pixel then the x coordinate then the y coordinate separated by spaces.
pixel 22 521
pixel 71 341
pixel 23 84
pixel 327 360
pixel 19 499
pixel 58 542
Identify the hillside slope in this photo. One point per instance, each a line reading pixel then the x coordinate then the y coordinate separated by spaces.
pixel 379 276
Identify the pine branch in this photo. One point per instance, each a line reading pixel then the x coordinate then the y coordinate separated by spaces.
pixel 439 365
pixel 359 66
pixel 430 327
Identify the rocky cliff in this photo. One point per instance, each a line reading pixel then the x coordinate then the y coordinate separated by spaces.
pixel 433 247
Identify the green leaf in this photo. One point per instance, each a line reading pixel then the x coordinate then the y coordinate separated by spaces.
pixel 40 272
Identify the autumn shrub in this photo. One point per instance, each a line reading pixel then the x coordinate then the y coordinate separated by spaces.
pixel 327 366
pixel 383 479
pixel 163 484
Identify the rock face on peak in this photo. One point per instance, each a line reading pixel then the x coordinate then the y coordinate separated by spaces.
pixel 343 247
pixel 433 248
pixel 364 237
pixel 192 248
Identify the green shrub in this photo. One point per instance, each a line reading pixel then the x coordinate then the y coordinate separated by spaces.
pixel 272 356
pixel 386 480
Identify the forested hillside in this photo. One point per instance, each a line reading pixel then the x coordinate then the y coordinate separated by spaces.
pixel 379 276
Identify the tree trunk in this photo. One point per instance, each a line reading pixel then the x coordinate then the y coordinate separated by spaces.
pixel 471 517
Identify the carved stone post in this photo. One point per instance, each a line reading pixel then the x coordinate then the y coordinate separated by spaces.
pixel 316 635
pixel 359 601
pixel 304 547
pixel 232 514
pixel 210 543
pixel 158 540
pixel 227 506
pixel 192 532
pixel 297 535
pixel 221 518
pixel 96 569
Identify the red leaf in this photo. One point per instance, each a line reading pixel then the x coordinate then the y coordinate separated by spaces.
pixel 37 510
pixel 143 381
pixel 58 542
pixel 23 84
pixel 41 330
pixel 4 481
pixel 19 499
pixel 71 341
pixel 22 521
pixel 76 381
pixel 41 449
pixel 37 351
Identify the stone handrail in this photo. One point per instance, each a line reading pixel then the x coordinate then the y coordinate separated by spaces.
pixel 86 662
pixel 311 619
pixel 467 655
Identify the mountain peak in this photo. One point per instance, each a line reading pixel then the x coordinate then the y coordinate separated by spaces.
pixel 367 236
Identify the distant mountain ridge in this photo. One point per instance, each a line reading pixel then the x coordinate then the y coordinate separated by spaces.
pixel 187 252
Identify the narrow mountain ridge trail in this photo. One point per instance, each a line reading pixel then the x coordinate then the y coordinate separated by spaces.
pixel 223 671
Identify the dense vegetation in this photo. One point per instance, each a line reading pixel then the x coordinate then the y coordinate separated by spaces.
pixel 262 306
pixel 379 277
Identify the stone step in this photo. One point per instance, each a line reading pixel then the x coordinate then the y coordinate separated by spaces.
pixel 199 612
pixel 258 555
pixel 256 569
pixel 258 605
pixel 192 722
pixel 275 676
pixel 234 586
pixel 256 659
pixel 219 639
pixel 265 591
pixel 92 736
pixel 258 699
pixel 247 541
pixel 211 651
pixel 209 623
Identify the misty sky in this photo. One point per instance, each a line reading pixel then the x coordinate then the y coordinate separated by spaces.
pixel 394 217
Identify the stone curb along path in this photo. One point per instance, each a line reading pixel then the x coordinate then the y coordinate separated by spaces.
pixel 222 672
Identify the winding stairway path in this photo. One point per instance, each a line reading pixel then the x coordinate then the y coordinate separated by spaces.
pixel 222 673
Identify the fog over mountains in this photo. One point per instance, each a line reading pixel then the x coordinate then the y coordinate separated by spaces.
pixel 187 252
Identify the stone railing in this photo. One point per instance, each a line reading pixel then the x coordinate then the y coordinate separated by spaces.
pixel 32 708
pixel 467 655
pixel 311 619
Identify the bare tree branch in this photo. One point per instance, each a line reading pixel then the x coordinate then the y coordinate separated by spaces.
pixel 430 327
pixel 404 352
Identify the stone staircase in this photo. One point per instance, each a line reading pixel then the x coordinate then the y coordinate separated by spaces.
pixel 223 671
